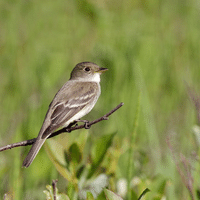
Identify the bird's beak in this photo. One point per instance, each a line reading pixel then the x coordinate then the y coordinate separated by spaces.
pixel 102 70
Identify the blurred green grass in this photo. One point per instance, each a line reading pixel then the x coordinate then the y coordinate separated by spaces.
pixel 148 46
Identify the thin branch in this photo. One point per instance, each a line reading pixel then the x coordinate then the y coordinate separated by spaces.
pixel 63 130
pixel 54 182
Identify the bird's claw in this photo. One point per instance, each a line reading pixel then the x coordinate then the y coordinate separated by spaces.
pixel 68 130
pixel 105 118
pixel 87 125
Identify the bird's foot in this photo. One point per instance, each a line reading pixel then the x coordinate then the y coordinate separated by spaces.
pixel 105 118
pixel 86 125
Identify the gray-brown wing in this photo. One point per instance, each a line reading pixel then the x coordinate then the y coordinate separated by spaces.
pixel 65 106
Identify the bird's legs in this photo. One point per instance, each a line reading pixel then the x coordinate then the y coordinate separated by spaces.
pixel 87 126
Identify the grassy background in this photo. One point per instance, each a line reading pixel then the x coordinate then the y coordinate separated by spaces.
pixel 149 46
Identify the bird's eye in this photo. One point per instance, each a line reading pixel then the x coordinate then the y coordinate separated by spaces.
pixel 87 69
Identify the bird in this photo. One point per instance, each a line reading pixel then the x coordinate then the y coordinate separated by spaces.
pixel 75 99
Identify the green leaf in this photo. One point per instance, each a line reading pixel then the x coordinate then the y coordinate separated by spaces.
pixel 56 153
pixel 198 194
pixel 159 184
pixel 71 190
pixel 101 196
pixel 63 196
pixel 100 148
pixel 79 171
pixel 67 158
pixel 99 151
pixel 143 193
pixel 90 196
pixel 111 195
pixel 162 187
pixel 134 195
pixel 74 153
pixel 50 194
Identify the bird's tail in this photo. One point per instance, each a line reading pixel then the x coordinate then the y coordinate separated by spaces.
pixel 33 151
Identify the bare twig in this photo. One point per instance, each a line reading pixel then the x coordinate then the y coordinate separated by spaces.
pixel 63 130
pixel 54 182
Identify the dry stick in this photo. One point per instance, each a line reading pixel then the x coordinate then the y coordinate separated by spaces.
pixel 63 130
pixel 54 182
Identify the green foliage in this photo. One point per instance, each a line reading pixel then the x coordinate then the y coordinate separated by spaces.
pixel 143 193
pixel 99 151
pixel 90 196
pixel 50 194
pixel 72 167
pixel 74 154
pixel 150 47
pixel 111 195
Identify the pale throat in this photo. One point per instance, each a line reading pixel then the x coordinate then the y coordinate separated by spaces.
pixel 95 78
